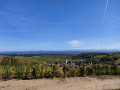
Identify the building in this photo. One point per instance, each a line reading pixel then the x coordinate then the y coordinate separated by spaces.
pixel 66 61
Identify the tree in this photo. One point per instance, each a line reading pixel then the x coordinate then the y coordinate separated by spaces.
pixel 35 71
pixel 72 72
pixel 88 70
pixel 57 71
pixel 80 71
pixel 65 69
pixel 28 70
pixel 20 71
pixel 48 72
pixel 7 72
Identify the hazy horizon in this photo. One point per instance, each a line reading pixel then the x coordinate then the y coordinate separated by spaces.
pixel 63 50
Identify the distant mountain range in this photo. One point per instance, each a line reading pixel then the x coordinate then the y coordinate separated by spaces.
pixel 60 51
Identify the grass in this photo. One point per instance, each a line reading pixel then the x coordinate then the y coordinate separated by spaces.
pixel 49 58
pixel 1 57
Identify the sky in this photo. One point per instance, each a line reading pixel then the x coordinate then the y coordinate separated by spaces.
pixel 59 24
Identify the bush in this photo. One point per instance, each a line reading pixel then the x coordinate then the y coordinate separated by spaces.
pixel 48 72
pixel 42 70
pixel 57 71
pixel 7 72
pixel 88 70
pixel 20 70
pixel 96 69
pixel 36 72
pixel 65 70
pixel 1 72
pixel 80 71
pixel 28 71
pixel 45 71
pixel 71 72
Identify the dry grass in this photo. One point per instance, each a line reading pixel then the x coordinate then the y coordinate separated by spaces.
pixel 77 83
pixel 1 57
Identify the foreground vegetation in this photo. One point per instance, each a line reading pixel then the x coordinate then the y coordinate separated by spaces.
pixel 45 71
pixel 27 67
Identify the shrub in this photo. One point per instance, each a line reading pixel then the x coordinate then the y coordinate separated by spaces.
pixel 71 72
pixel 48 72
pixel 28 71
pixel 80 71
pixel 1 72
pixel 7 72
pixel 20 70
pixel 57 71
pixel 35 72
pixel 88 70
pixel 65 70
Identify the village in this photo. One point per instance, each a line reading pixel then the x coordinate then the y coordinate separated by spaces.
pixel 69 63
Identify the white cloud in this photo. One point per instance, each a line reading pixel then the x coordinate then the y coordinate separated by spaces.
pixel 74 43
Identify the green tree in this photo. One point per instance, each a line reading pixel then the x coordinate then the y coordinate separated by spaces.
pixel 20 71
pixel 80 71
pixel 7 72
pixel 48 72
pixel 72 72
pixel 88 70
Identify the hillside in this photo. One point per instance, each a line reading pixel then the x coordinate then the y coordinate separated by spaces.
pixel 1 57
pixel 13 61
pixel 103 58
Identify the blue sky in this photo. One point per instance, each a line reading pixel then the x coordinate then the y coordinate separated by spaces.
pixel 59 24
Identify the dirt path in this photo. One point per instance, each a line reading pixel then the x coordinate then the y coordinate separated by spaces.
pixel 78 83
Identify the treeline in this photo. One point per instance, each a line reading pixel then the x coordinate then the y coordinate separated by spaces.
pixel 87 55
pixel 13 61
pixel 99 58
pixel 45 71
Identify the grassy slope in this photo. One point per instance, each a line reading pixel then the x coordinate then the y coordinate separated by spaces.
pixel 49 58
pixel 1 57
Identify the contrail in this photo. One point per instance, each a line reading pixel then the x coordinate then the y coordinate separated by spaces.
pixel 105 10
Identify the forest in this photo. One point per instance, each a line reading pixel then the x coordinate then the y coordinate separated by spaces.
pixel 32 66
